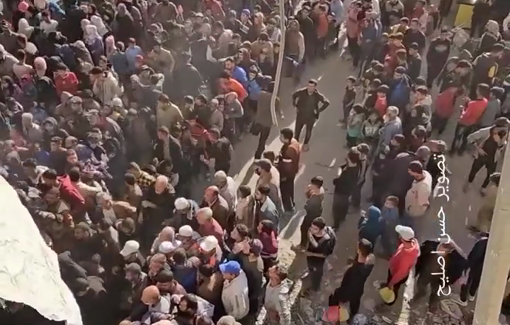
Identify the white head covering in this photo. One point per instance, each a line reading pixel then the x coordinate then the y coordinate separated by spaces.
pixel 91 34
pixel 84 23
pixel 25 28
pixel 98 22
pixel 40 4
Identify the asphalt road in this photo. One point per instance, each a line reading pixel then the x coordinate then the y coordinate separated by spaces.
pixel 327 152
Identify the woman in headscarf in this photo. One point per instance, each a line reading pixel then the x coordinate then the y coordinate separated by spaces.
pixel 490 37
pixel 94 43
pixel 110 47
pixel 124 24
pixel 81 52
pixel 258 27
pixel 83 24
pixel 25 28
pixel 102 30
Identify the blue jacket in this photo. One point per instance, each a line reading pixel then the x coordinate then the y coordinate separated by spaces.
pixel 253 89
pixel 371 227
pixel 240 75
pixel 400 90
pixel 131 53
pixel 369 34
pixel 120 63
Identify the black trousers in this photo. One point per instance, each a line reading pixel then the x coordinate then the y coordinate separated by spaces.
pixel 315 273
pixel 340 209
pixel 263 136
pixel 321 47
pixel 423 282
pixel 460 135
pixel 354 49
pixel 439 123
pixel 471 285
pixel 287 191
pixel 478 163
pixel 356 195
pixel 433 72
pixel 396 287
pixel 299 127
pixel 305 226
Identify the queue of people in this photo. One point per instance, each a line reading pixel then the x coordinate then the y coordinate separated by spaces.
pixel 391 136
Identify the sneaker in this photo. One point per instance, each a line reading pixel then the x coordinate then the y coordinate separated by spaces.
pixel 306 147
pixel 472 298
pixel 483 191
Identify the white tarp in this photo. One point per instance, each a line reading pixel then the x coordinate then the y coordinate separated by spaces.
pixel 29 271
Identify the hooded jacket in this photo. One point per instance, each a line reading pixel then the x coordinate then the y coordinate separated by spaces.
pixel 371 227
pixel 235 296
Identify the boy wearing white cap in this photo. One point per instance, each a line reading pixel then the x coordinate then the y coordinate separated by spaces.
pixel 403 260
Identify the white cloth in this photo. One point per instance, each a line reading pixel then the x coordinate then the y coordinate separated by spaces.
pixel 24 245
pixel 25 28
pixel 49 27
pixel 98 22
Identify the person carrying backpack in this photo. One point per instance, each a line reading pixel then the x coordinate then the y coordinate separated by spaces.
pixel 321 243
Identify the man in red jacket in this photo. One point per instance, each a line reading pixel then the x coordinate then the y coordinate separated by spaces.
pixel 403 260
pixel 68 192
pixel 470 117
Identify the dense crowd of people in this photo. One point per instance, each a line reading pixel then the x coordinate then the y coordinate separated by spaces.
pixel 109 112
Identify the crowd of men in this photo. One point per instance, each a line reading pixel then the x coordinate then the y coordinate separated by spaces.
pixel 109 112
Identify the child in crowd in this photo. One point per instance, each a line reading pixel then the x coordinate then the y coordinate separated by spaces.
pixel 390 219
pixel 370 129
pixel 354 124
pixel 370 225
pixel 378 166
pixel 349 97
pixel 381 102
pixel 370 95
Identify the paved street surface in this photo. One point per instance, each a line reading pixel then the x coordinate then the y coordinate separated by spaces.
pixel 327 152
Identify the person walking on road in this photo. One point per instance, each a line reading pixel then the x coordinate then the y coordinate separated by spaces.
pixel 288 166
pixel 309 103
pixel 321 242
pixel 403 260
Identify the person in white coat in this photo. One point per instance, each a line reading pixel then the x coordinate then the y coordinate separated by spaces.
pixel 235 290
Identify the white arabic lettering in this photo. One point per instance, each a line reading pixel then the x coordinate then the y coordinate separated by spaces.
pixel 442 189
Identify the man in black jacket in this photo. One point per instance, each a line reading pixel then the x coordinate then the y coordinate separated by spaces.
pixel 475 267
pixel 309 103
pixel 429 269
pixel 353 283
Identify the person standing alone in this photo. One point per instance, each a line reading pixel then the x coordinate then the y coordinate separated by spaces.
pixel 288 166
pixel 309 103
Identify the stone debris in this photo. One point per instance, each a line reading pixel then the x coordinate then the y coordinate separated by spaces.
pixel 386 320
